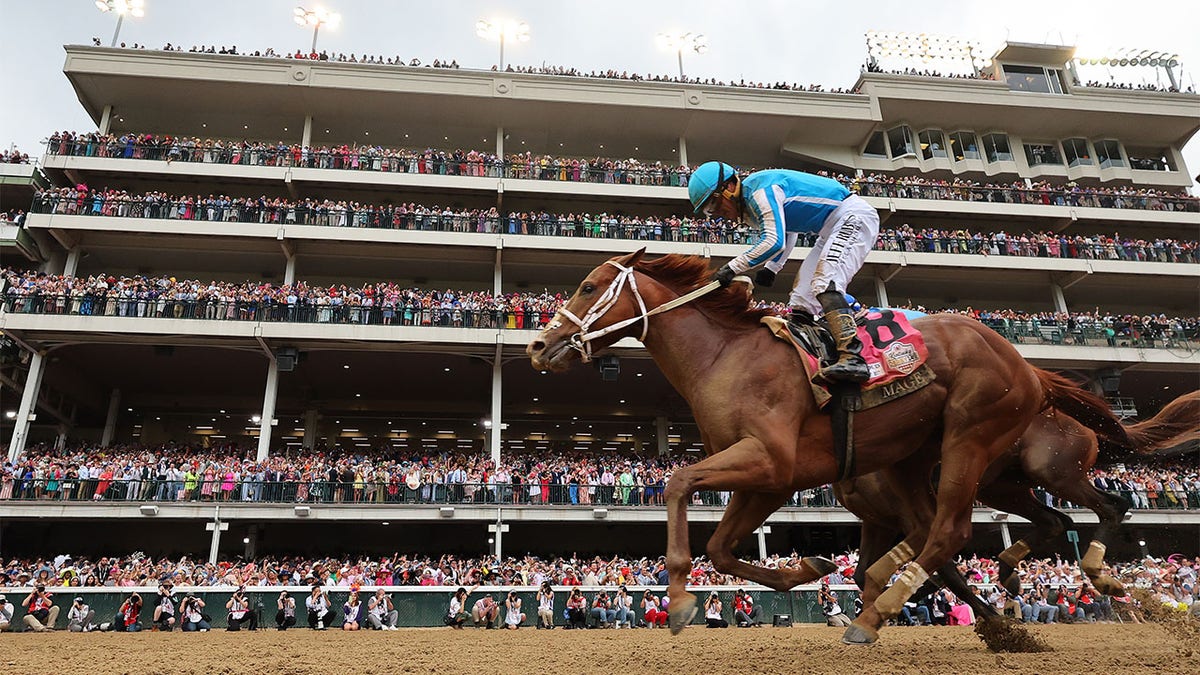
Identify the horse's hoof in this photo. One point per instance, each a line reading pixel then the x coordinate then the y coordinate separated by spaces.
pixel 1012 584
pixel 820 566
pixel 1107 585
pixel 860 635
pixel 681 613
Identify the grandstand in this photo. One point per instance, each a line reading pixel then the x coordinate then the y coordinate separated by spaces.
pixel 972 154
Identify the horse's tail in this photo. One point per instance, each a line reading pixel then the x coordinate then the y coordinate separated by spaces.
pixel 1088 409
pixel 1177 423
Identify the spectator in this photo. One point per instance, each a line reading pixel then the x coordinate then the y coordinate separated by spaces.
pixel 921 612
pixel 239 611
pixel 381 613
pixel 41 612
pixel 712 612
pixel 317 604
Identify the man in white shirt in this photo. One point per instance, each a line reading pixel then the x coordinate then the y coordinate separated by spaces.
pixel 381 614
pixel 6 614
pixel 317 604
pixel 80 618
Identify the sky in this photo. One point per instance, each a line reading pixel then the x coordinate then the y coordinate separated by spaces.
pixel 809 41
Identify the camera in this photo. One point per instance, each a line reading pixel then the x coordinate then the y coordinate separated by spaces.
pixel 283 594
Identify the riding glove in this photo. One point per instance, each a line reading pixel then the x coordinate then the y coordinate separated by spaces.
pixel 724 275
pixel 764 278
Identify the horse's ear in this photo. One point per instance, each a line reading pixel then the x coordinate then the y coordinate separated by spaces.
pixel 631 259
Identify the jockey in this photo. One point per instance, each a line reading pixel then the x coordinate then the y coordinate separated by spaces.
pixel 784 203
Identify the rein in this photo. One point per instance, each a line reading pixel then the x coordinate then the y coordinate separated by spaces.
pixel 581 341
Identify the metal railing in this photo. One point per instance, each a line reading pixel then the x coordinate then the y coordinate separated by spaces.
pixel 220 491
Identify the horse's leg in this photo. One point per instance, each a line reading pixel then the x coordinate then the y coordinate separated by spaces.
pixel 952 579
pixel 744 513
pixel 1010 492
pixel 1110 508
pixel 745 465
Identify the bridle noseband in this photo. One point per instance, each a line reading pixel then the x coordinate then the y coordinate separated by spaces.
pixel 582 340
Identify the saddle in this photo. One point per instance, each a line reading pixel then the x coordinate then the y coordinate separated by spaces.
pixel 895 353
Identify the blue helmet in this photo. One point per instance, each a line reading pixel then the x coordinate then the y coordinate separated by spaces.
pixel 853 303
pixel 704 182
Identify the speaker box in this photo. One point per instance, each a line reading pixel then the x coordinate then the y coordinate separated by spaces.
pixel 286 358
pixel 782 620
pixel 609 367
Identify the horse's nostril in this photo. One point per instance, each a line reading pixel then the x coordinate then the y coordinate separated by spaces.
pixel 537 346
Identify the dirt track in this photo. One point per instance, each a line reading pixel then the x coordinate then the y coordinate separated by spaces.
pixel 811 649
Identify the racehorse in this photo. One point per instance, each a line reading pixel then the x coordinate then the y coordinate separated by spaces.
pixel 1055 452
pixel 763 433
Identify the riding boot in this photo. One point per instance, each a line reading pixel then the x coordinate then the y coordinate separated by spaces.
pixel 850 365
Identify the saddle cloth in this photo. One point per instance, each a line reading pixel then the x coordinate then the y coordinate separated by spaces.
pixel 895 353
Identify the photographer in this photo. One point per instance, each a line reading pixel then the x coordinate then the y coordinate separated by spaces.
pixel 834 616
pixel 623 605
pixel 485 611
pixel 352 612
pixel 80 618
pixel 712 612
pixel 602 610
pixel 652 614
pixel 126 620
pixel 513 616
pixel 317 604
pixel 381 613
pixel 192 610
pixel 744 609
pixel 285 616
pixel 576 609
pixel 545 598
pixel 164 612
pixel 239 611
pixel 457 615
pixel 6 614
pixel 41 612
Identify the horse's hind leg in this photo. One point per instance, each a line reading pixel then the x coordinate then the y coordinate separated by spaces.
pixel 1010 492
pixel 952 579
pixel 744 513
pixel 1110 508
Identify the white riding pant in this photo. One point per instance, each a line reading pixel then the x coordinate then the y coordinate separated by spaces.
pixel 841 248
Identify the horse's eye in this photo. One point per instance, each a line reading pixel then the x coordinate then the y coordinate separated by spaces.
pixel 587 288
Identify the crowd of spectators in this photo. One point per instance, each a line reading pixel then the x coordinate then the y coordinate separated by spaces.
pixel 527 165
pixel 81 200
pixel 230 473
pixel 13 156
pixel 873 66
pixel 387 303
pixel 1143 86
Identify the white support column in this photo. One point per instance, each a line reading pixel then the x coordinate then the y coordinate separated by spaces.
pixel 306 139
pixel 660 434
pixel 310 429
pixel 268 410
pixel 762 533
pixel 495 435
pixel 1005 535
pixel 683 160
pixel 110 422
pixel 500 143
pixel 1060 301
pixel 497 272
pixel 29 396
pixel 881 295
pixel 289 271
pixel 106 119
pixel 216 527
pixel 498 529
pixel 72 263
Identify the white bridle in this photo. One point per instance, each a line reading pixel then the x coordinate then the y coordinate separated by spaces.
pixel 582 341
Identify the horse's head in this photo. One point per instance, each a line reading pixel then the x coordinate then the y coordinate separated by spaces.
pixel 601 311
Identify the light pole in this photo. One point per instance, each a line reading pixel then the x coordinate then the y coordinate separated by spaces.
pixel 679 43
pixel 316 18
pixel 133 8
pixel 502 30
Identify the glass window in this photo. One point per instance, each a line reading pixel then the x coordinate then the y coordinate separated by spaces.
pixel 1042 153
pixel 1034 79
pixel 933 144
pixel 1108 153
pixel 1076 152
pixel 900 140
pixel 876 147
pixel 963 145
pixel 1145 159
pixel 996 148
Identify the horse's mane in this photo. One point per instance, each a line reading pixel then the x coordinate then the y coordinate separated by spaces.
pixel 686 273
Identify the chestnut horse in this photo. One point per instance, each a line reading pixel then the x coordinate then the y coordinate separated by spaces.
pixel 763 433
pixel 1056 453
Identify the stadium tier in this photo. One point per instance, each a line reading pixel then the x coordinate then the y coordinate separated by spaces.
pixel 297 258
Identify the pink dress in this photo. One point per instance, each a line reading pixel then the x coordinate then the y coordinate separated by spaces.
pixel 227 484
